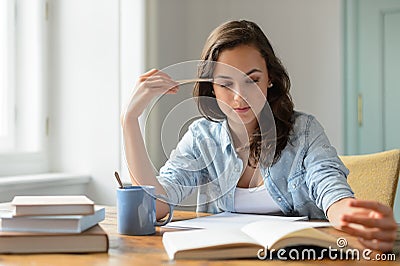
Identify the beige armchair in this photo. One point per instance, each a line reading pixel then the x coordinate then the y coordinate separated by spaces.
pixel 374 176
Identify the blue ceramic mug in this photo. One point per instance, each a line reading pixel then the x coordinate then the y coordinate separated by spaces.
pixel 136 210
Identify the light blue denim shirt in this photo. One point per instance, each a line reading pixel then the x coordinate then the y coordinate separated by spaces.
pixel 306 180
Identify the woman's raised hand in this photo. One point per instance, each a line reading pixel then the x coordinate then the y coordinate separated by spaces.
pixel 149 85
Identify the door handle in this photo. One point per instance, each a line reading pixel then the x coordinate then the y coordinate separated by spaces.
pixel 359 110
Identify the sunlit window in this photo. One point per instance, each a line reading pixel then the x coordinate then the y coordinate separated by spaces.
pixel 6 76
pixel 22 86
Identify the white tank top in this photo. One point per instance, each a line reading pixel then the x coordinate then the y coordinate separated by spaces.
pixel 254 200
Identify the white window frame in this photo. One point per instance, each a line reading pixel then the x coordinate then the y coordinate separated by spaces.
pixel 27 149
pixel 132 60
pixel 7 40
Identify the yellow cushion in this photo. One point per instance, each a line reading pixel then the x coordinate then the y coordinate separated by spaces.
pixel 374 176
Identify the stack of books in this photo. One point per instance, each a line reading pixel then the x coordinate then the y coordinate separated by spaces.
pixel 53 224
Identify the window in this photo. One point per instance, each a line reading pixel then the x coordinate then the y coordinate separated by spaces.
pixel 6 76
pixel 22 87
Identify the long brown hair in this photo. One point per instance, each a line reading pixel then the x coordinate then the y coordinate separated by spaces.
pixel 230 35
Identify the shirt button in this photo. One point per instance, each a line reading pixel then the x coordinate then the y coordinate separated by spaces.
pixel 294 186
pixel 279 199
pixel 236 169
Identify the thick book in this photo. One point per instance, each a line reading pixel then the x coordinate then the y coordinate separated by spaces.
pixel 51 205
pixel 250 241
pixel 93 240
pixel 52 224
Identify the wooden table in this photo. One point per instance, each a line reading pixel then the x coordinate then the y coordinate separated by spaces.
pixel 148 250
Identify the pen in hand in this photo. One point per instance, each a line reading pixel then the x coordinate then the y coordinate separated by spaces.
pixel 185 81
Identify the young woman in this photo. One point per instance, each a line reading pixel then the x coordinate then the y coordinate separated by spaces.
pixel 225 154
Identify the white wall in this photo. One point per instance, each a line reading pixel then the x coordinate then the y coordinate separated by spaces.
pixel 306 35
pixel 93 66
pixel 87 80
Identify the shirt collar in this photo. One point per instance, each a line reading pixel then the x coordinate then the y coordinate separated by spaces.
pixel 226 139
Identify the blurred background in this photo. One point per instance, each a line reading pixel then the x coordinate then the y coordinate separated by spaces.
pixel 68 66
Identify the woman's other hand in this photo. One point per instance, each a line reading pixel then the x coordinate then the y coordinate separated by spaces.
pixel 372 222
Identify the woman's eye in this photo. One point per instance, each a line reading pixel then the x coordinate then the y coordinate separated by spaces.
pixel 253 81
pixel 226 85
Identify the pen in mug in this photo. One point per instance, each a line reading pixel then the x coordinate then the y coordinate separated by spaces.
pixel 118 179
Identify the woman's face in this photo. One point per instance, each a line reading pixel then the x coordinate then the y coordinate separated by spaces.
pixel 240 84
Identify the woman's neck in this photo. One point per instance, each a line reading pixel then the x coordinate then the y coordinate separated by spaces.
pixel 241 133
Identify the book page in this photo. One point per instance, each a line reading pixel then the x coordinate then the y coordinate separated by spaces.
pixel 228 220
pixel 266 233
pixel 204 238
pixel 6 210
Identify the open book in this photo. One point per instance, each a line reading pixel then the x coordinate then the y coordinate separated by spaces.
pixel 246 242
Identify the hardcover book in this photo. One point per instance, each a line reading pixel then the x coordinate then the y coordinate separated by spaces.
pixel 93 240
pixel 52 224
pixel 51 205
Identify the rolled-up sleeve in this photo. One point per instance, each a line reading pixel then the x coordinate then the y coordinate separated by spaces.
pixel 180 174
pixel 326 176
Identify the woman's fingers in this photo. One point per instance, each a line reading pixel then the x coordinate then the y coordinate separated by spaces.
pixel 382 235
pixel 372 222
pixel 151 72
pixel 148 74
pixel 155 79
pixel 158 87
pixel 148 86
pixel 377 245
pixel 382 223
pixel 372 205
pixel 160 83
pixel 155 74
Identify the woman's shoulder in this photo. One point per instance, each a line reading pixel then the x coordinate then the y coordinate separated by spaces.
pixel 203 126
pixel 303 120
pixel 304 125
pixel 301 117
